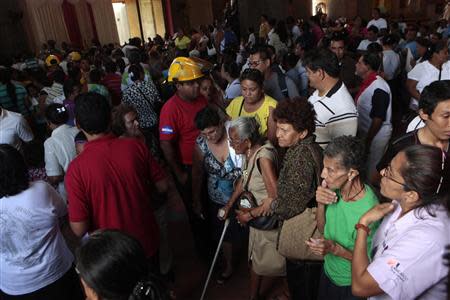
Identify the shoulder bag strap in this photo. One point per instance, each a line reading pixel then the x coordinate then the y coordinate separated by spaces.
pixel 247 179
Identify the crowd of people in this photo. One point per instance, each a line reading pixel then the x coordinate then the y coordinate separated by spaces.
pixel 323 143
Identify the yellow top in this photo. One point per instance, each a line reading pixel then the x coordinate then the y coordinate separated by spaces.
pixel 261 114
pixel 182 43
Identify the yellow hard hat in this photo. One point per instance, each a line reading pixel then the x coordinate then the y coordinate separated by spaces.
pixel 52 60
pixel 75 56
pixel 184 69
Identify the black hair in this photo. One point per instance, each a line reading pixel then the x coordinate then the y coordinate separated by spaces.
pixel 253 75
pixel 349 151
pixel 135 71
pixel 59 76
pixel 5 78
pixel 68 87
pixel 377 9
pixel 427 172
pixel 92 113
pixel 423 42
pixel 207 117
pixel 390 39
pixel 56 114
pixel 95 76
pixel 323 59
pixel 374 48
pixel 232 68
pixel 134 57
pixel 290 60
pixel 432 94
pixel 373 60
pixel 434 48
pixel 339 36
pixel 110 67
pixel 263 52
pixel 115 266
pixel 80 138
pixel 373 28
pixel 34 154
pixel 13 171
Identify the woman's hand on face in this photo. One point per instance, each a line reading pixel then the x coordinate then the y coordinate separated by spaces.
pixel 321 247
pixel 376 213
pixel 324 195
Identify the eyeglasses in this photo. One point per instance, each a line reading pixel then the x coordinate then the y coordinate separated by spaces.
pixel 387 172
pixel 234 141
pixel 254 63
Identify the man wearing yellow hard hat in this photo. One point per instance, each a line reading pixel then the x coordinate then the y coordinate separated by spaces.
pixel 178 133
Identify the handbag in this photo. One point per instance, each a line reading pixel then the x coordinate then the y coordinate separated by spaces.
pixel 247 201
pixel 296 230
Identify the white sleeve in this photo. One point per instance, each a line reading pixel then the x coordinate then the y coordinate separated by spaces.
pixel 416 73
pixel 409 267
pixel 57 202
pixel 23 130
pixel 52 165
pixel 361 46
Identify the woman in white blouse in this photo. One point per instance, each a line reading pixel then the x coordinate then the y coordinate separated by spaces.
pixel 434 66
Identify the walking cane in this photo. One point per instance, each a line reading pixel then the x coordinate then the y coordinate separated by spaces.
pixel 227 222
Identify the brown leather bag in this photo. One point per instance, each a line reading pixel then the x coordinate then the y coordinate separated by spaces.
pixel 296 230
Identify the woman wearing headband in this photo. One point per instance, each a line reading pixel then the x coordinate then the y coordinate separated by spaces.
pixel 408 246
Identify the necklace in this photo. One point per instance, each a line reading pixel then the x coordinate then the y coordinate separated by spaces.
pixel 353 197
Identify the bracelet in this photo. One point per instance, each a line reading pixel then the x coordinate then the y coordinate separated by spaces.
pixel 363 227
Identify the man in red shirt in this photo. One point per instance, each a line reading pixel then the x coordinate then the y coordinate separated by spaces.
pixel 177 133
pixel 108 184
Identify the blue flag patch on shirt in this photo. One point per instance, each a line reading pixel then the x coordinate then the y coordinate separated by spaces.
pixel 166 130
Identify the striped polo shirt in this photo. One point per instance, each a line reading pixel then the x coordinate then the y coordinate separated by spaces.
pixel 7 103
pixel 336 114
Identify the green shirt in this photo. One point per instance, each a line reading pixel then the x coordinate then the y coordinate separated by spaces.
pixel 340 220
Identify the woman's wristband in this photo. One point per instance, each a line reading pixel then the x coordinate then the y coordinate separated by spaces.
pixel 363 227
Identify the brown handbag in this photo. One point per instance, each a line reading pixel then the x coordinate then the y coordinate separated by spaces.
pixel 296 230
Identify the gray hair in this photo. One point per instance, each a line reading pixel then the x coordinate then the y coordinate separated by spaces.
pixel 247 128
pixel 349 151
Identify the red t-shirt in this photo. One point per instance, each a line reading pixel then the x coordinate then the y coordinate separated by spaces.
pixel 108 186
pixel 176 123
pixel 113 81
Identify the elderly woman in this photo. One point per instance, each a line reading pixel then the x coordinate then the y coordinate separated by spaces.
pixel 410 242
pixel 34 258
pixel 259 177
pixel 297 183
pixel 254 103
pixel 215 160
pixel 342 199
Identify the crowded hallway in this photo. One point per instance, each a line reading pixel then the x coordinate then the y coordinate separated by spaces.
pixel 302 158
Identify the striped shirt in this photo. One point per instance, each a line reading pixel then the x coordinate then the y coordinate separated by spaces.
pixel 7 103
pixel 53 92
pixel 336 114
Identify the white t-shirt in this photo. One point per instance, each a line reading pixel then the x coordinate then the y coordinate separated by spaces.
pixel 14 129
pixel 391 63
pixel 425 73
pixel 416 123
pixel 59 152
pixel 336 114
pixel 233 90
pixel 365 43
pixel 33 252
pixel 380 23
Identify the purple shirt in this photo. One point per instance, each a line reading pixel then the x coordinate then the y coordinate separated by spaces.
pixel 408 251
pixel 70 106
